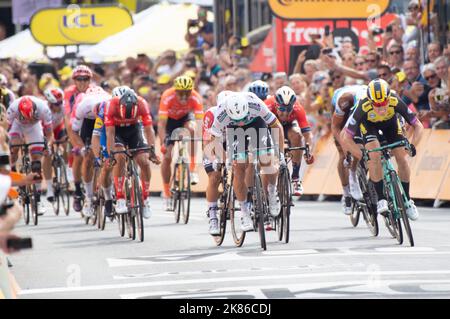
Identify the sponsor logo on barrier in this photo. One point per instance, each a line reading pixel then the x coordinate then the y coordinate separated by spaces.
pixel 78 25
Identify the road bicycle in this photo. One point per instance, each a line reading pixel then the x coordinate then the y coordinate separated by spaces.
pixel 60 179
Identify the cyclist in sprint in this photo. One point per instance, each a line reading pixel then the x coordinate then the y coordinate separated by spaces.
pixel 213 155
pixel 180 106
pixel 124 118
pixel 296 129
pixel 378 111
pixel 260 88
pixel 29 119
pixel 83 121
pixel 245 115
pixel 81 76
pixel 344 102
pixel 99 147
pixel 55 100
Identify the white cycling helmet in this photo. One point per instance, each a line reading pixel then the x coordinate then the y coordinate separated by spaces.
pixel 119 90
pixel 285 97
pixel 54 95
pixel 236 106
pixel 221 97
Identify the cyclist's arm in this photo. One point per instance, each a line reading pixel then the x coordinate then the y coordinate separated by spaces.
pixel 110 138
pixel 149 135
pixel 96 147
pixel 336 124
pixel 305 127
pixel 350 130
pixel 411 118
pixel 272 121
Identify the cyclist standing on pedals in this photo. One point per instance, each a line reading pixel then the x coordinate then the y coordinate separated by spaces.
pixel 213 155
pixel 378 112
pixel 124 118
pixel 55 100
pixel 29 119
pixel 344 101
pixel 99 147
pixel 180 106
pixel 81 76
pixel 245 115
pixel 296 129
pixel 83 121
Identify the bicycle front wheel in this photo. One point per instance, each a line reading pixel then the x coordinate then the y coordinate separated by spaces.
pixel 236 231
pixel 34 205
pixel 138 206
pixel 185 193
pixel 402 209
pixel 176 192
pixel 222 215
pixel 64 194
pixel 260 211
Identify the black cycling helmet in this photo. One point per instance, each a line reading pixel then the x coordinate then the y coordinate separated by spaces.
pixel 128 105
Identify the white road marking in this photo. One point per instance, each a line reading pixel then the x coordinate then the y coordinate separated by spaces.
pixel 405 249
pixel 228 279
pixel 361 286
pixel 289 252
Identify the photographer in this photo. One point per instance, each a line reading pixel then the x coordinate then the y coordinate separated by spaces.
pixel 201 29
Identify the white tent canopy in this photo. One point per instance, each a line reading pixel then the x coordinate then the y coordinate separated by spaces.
pixel 157 29
pixel 24 47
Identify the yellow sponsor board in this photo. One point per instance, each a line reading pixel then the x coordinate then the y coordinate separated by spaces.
pixel 78 25
pixel 327 9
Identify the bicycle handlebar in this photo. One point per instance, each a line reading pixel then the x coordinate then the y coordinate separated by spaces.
pixel 391 146
pixel 27 144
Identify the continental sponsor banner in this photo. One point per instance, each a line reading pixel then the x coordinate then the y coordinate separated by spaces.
pixel 75 25
pixel 327 9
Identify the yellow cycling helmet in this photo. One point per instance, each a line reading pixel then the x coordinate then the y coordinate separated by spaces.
pixel 378 92
pixel 183 83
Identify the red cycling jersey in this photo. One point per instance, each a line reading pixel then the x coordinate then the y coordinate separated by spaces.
pixel 170 106
pixel 298 114
pixel 112 115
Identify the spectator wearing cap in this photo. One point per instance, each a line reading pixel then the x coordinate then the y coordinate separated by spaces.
pixel 395 56
pixel 441 65
pixel 434 50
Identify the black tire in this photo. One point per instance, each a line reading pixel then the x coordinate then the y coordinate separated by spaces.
pixel 369 209
pixel 26 205
pixel 260 207
pixel 402 208
pixel 393 222
pixel 222 216
pixel 34 205
pixel 176 195
pixel 56 189
pixel 354 216
pixel 130 223
pixel 63 187
pixel 236 231
pixel 121 222
pixel 285 192
pixel 138 206
pixel 185 200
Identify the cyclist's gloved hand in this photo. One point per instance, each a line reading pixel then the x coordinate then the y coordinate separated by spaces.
pixel 412 150
pixel 309 160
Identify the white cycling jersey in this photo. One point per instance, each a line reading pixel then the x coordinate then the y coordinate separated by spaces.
pixel 257 108
pixel 359 92
pixel 41 114
pixel 86 109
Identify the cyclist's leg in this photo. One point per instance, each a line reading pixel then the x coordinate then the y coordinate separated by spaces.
pixel 343 173
pixel 296 140
pixel 88 165
pixel 166 169
pixel 119 172
pixel 15 137
pixel 191 126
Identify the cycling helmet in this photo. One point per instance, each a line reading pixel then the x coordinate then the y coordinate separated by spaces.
pixel 128 105
pixel 81 71
pixel 285 97
pixel 221 97
pixel 119 90
pixel 27 108
pixel 236 106
pixel 260 88
pixel 54 95
pixel 95 90
pixel 378 92
pixel 183 83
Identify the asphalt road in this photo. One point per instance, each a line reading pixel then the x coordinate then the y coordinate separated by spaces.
pixel 326 258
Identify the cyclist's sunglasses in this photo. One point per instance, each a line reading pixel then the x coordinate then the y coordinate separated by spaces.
pixel 381 104
pixel 57 104
pixel 184 93
pixel 285 108
pixel 83 79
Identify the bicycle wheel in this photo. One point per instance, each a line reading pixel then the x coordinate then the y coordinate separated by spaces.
pixel 260 207
pixel 101 218
pixel 236 231
pixel 25 199
pixel 63 186
pixel 369 209
pixel 286 212
pixel 138 206
pixel 355 214
pixel 121 222
pixel 185 193
pixel 34 205
pixel 130 224
pixel 176 192
pixel 222 216
pixel 402 209
pixel 392 220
